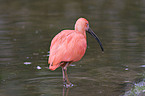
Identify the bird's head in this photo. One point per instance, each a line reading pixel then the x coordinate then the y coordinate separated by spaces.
pixel 82 25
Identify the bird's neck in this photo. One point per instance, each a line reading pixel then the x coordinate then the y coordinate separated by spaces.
pixel 84 33
pixel 81 31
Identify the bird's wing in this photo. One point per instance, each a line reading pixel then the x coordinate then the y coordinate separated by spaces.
pixel 68 45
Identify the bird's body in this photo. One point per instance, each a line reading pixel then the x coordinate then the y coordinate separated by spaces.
pixel 69 46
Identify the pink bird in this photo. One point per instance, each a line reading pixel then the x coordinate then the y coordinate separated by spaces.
pixel 69 46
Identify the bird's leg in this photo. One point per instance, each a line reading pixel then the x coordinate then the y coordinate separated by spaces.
pixel 68 84
pixel 66 77
pixel 65 70
pixel 63 73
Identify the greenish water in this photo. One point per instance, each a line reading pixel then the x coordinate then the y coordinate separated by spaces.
pixel 28 26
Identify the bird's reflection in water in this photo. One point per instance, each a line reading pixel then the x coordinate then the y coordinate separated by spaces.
pixel 65 91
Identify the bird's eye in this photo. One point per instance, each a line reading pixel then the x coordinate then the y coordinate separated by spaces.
pixel 87 25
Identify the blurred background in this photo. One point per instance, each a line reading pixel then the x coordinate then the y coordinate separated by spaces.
pixel 28 26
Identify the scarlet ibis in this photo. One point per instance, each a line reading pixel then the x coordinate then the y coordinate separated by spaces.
pixel 69 46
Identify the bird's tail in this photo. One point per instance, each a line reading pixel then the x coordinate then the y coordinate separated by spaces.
pixel 53 67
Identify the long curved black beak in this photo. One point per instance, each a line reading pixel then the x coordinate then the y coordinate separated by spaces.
pixel 95 36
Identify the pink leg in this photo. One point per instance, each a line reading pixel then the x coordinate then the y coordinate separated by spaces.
pixel 63 73
pixel 65 76
pixel 65 70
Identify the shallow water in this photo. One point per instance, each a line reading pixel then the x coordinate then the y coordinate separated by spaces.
pixel 28 26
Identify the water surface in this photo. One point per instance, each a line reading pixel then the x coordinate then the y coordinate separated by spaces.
pixel 28 26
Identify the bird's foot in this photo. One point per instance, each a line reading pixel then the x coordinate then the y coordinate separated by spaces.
pixel 68 85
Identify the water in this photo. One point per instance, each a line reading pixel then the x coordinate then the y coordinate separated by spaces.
pixel 27 28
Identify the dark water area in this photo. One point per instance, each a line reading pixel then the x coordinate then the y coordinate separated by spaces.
pixel 28 26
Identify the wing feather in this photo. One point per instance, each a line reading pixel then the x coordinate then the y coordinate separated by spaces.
pixel 68 45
